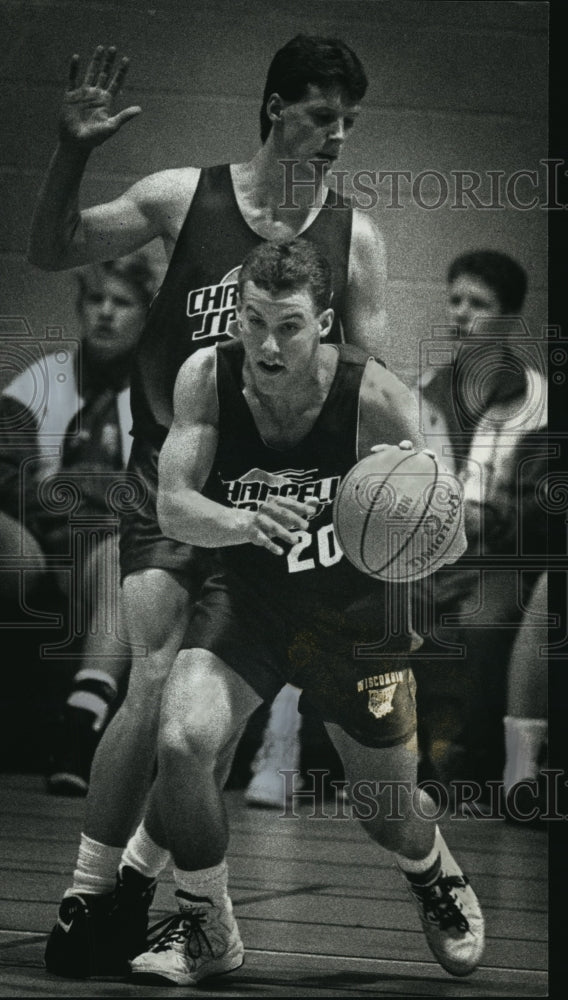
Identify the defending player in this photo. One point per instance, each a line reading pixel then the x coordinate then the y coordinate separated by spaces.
pixel 264 428
pixel 208 220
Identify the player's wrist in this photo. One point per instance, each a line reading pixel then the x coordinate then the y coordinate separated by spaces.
pixel 243 526
pixel 72 150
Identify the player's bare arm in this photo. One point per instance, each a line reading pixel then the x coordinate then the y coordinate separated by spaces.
pixel 366 288
pixel 186 460
pixel 388 411
pixel 62 236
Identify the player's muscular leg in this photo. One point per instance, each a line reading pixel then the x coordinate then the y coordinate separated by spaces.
pixel 105 646
pixel 205 708
pixel 156 610
pixel 393 819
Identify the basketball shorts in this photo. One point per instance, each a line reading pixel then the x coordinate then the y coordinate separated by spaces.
pixel 324 650
pixel 142 543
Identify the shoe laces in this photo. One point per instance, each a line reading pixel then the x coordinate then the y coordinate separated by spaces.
pixel 440 904
pixel 184 928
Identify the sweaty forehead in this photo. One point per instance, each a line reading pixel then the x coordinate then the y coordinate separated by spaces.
pixel 334 97
pixel 277 303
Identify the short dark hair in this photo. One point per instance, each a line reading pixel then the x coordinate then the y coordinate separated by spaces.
pixel 281 267
pixel 305 59
pixel 135 270
pixel 502 273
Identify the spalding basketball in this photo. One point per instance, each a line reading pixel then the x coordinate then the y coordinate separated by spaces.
pixel 397 514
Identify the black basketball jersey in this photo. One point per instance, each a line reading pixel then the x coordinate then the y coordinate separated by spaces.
pixel 197 299
pixel 247 472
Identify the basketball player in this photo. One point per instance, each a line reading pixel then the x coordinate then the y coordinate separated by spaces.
pixel 284 604
pixel 208 220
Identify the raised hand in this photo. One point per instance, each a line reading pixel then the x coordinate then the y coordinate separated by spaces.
pixel 279 518
pixel 87 117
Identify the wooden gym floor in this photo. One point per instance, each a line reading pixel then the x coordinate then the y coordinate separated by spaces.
pixel 321 910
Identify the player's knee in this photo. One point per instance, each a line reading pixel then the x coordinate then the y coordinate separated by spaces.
pixel 192 722
pixel 161 640
pixel 193 744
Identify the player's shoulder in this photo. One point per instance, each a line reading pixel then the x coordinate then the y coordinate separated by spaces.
pixel 368 249
pixel 195 394
pixel 169 180
pixel 365 233
pixel 167 189
pixel 380 386
pixel 199 365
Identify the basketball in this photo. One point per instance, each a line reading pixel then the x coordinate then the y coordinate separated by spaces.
pixel 397 514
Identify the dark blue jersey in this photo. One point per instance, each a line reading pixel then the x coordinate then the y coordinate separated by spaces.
pixel 246 472
pixel 197 299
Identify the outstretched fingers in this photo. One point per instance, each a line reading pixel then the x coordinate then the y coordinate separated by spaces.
pixel 106 67
pixel 270 531
pixel 293 512
pixel 118 78
pixel 94 67
pixel 73 71
pixel 279 520
pixel 100 72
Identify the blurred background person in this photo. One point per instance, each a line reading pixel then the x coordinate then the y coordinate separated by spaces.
pixel 78 437
pixel 476 410
pixel 486 291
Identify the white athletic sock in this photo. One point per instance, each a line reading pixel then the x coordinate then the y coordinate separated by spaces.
pixel 421 867
pixel 144 855
pixel 524 739
pixel 93 691
pixel 93 674
pixel 96 867
pixel 210 882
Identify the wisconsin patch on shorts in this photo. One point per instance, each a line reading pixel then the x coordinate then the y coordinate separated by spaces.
pixel 381 702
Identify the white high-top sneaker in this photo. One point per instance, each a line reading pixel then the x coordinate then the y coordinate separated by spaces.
pixel 451 916
pixel 201 940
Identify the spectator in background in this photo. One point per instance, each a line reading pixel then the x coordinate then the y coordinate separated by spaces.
pixel 78 435
pixel 484 286
pixel 476 411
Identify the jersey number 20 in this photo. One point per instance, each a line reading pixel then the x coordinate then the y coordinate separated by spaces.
pixel 324 546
